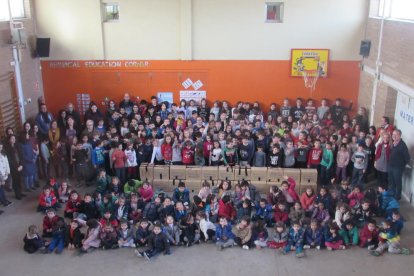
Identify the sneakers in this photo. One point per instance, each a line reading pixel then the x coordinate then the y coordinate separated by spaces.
pixel 375 253
pixel 133 245
pixel 245 247
pixel 300 255
pixel 371 247
pixel 306 246
pixel 405 251
pixel 146 256
pixel 318 247
pixel 138 254
pixel 329 248
pixel 342 247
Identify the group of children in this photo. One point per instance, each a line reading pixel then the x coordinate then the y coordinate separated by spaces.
pixel 134 215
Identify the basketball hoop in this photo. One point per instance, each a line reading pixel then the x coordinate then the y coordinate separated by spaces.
pixel 310 77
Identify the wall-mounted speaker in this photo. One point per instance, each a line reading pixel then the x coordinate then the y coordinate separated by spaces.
pixel 42 46
pixel 365 48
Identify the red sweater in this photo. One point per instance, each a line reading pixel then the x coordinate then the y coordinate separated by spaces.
pixel 49 223
pixel 379 150
pixel 366 235
pixel 146 194
pixel 166 151
pixel 281 215
pixel 72 206
pixel 188 156
pixel 207 147
pixel 315 156
pixel 43 199
pixel 226 210
pixel 307 201
pixel 119 158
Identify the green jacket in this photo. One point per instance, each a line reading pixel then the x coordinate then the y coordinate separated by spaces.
pixel 327 158
pixel 350 235
pixel 128 189
pixel 102 184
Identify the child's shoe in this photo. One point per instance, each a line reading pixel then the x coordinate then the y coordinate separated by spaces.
pixel 300 255
pixel 245 247
pixel 146 256
pixel 371 247
pixel 405 251
pixel 138 254
pixel 342 247
pixel 375 253
pixel 133 245
pixel 306 246
pixel 318 247
pixel 329 248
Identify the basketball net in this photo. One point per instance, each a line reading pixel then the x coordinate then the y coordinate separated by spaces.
pixel 310 77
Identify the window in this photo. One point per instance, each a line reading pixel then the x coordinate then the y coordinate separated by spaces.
pixel 16 8
pixel 110 12
pixel 274 12
pixel 392 9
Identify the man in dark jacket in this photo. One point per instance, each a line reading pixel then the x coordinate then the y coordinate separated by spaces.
pixel 399 158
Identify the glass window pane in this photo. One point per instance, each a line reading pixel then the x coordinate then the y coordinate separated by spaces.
pixel 402 9
pixel 4 10
pixel 17 8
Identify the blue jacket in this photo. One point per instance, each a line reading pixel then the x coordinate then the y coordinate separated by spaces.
pixel 226 231
pixel 296 239
pixel 43 124
pixel 28 159
pixel 388 202
pixel 315 237
pixel 264 213
pixel 98 156
pixel 329 238
pixel 183 197
pixel 142 233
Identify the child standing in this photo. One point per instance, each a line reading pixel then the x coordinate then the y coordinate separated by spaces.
pixel 326 164
pixel 342 161
pixel 157 243
pixel 360 160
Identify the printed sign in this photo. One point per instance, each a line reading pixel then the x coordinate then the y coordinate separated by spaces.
pixel 193 95
pixel 165 97
pixel 315 60
pixel 83 100
pixel 197 85
pixel 187 83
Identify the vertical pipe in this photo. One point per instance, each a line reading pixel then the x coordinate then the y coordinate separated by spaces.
pixel 377 67
pixel 18 77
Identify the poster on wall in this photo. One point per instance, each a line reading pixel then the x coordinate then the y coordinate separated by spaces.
pixel 83 100
pixel 165 97
pixel 188 95
pixel 310 60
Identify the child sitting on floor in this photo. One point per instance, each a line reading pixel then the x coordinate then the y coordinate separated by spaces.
pixel 49 221
pixel 73 236
pixel 280 236
pixel 295 240
pixel 157 242
pixel 320 214
pixel 58 237
pixel 109 237
pixel 349 233
pixel 397 221
pixel 224 234
pixel 243 233
pixel 389 239
pixel 260 234
pixel 207 228
pixel 172 231
pixel 142 233
pixel 32 241
pixel 333 241
pixel 281 213
pixel 47 199
pixel 387 203
pixel 369 235
pixel 313 236
pixel 125 236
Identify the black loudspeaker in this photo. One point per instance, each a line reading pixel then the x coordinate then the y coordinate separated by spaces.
pixel 365 48
pixel 42 47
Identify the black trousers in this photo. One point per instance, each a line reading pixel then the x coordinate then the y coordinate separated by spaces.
pixel 239 242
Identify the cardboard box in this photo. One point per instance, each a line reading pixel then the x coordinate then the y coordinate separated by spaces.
pixel 163 184
pixel 210 173
pixel 242 173
pixel 275 175
pixel 258 174
pixel 293 173
pixel 193 173
pixel 193 186
pixel 146 171
pixel 161 172
pixel 261 187
pixel 308 176
pixel 226 173
pixel 177 172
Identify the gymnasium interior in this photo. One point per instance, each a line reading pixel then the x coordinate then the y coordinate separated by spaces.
pixel 56 52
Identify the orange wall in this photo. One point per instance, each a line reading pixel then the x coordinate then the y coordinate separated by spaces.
pixel 263 81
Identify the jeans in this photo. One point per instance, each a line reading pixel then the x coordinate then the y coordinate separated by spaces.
pixel 29 181
pixel 120 173
pixel 298 249
pixel 357 177
pixel 325 175
pixel 395 181
pixel 56 243
pixel 341 173
pixel 228 243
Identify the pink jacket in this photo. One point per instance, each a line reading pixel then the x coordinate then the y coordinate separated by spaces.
pixel 291 189
pixel 342 159
pixel 146 194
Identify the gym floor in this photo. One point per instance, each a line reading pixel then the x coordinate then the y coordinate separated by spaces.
pixel 197 260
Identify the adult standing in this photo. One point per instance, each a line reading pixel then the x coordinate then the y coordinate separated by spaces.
pixel 399 158
pixel 4 174
pixel 16 167
pixel 71 112
pixel 382 157
pixel 43 120
pixel 127 104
